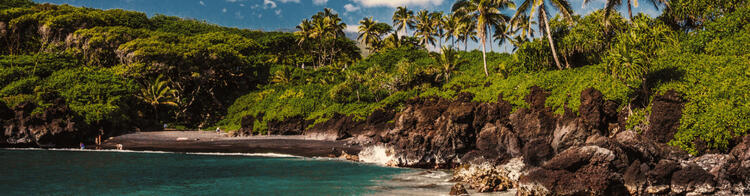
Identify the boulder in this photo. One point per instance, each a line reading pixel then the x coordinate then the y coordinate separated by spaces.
pixel 576 171
pixel 635 178
pixel 692 179
pixel 536 152
pixel 664 120
pixel 592 110
pixel 458 189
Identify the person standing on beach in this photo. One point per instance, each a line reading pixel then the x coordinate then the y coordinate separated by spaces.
pixel 218 130
pixel 82 146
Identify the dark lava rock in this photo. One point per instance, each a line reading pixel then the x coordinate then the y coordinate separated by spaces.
pixel 692 179
pixel 665 117
pixel 635 178
pixel 592 109
pixel 246 126
pixel 577 171
pixel 537 151
pixel 661 174
pixel 5 112
pixel 458 189
pixel 55 126
pixel 290 126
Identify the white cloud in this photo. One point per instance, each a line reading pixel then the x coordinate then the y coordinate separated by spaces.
pixel 243 5
pixel 352 28
pixel 231 1
pixel 224 10
pixel 202 3
pixel 268 4
pixel 278 12
pixel 350 8
pixel 396 3
pixel 287 1
pixel 320 2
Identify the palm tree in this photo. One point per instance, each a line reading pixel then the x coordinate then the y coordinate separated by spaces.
pixel 450 26
pixel 367 33
pixel 612 5
pixel 540 7
pixel 523 24
pixel 392 41
pixel 156 93
pixel 437 24
pixel 424 29
pixel 448 60
pixel 484 13
pixel 467 31
pixel 502 33
pixel 403 18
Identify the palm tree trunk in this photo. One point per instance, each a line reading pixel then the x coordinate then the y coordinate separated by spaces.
pixel 565 58
pixel 549 37
pixel 484 55
pixel 156 113
pixel 630 11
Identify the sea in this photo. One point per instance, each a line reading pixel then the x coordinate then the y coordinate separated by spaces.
pixel 109 172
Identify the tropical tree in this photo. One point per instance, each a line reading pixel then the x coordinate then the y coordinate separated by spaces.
pixel 437 24
pixel 466 32
pixel 613 5
pixel 539 8
pixel 523 24
pixel 447 61
pixel 403 19
pixel 304 29
pixel 424 30
pixel 485 13
pixel 450 27
pixel 502 33
pixel 157 93
pixel 367 33
pixel 371 32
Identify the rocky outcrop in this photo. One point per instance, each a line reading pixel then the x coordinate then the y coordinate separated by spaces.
pixel 290 126
pixel 538 152
pixel 54 126
pixel 665 117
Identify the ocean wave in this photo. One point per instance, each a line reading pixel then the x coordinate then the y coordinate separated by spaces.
pixel 244 154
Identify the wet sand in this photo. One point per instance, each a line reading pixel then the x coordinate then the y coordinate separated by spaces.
pixel 206 141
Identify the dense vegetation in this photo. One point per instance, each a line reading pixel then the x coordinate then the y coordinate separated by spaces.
pixel 122 69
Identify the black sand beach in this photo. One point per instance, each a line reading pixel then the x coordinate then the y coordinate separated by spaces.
pixel 204 141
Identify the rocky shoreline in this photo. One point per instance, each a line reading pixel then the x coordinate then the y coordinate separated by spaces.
pixel 492 148
pixel 489 146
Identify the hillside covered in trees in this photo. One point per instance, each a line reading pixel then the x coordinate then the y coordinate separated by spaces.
pixel 119 71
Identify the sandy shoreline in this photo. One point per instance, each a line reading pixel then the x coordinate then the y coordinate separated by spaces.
pixel 205 141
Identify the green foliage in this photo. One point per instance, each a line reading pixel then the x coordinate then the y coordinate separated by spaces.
pixel 22 86
pixel 718 99
pixel 96 94
pixel 7 4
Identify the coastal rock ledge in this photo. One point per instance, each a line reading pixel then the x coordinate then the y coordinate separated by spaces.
pixel 537 152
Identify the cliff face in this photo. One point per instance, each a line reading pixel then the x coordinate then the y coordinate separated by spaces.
pixel 55 126
pixel 569 154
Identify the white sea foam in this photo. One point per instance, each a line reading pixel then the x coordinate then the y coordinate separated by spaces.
pixel 243 154
pixel 378 154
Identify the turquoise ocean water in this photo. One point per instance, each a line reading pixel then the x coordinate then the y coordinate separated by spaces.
pixel 46 172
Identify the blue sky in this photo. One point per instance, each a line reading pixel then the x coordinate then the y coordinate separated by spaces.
pixel 270 15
